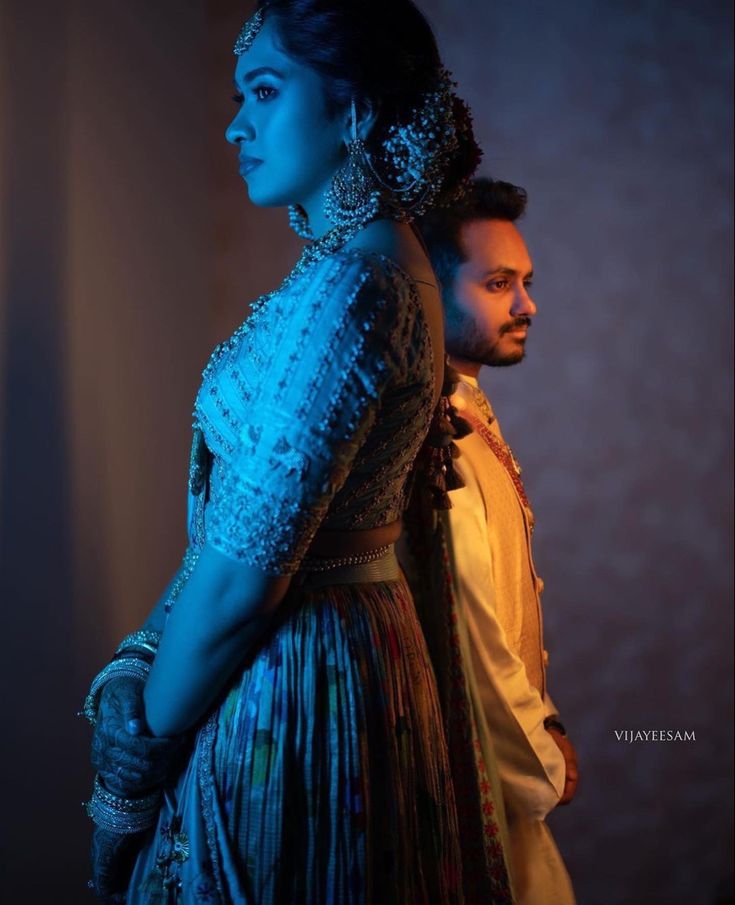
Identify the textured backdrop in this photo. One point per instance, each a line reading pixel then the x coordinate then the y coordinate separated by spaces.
pixel 128 247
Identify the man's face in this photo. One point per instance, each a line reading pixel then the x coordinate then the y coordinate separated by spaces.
pixel 487 308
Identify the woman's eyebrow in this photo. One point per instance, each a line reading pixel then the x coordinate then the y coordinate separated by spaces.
pixel 261 70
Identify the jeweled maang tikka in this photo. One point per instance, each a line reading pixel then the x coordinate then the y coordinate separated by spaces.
pixel 249 32
pixel 404 177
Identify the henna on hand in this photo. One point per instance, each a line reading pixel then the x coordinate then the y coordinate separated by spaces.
pixel 112 858
pixel 129 763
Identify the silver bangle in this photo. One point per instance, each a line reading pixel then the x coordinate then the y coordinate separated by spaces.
pixel 143 640
pixel 128 667
pixel 129 805
pixel 122 815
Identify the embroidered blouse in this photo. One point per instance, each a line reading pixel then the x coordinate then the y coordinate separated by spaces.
pixel 313 412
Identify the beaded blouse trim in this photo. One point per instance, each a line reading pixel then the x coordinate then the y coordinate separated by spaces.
pixel 401 353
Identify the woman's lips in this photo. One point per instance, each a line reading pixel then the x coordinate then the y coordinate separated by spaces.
pixel 248 164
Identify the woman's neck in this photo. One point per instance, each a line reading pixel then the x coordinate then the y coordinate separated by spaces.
pixel 314 208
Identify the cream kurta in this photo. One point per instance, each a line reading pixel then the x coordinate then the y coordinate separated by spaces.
pixel 497 591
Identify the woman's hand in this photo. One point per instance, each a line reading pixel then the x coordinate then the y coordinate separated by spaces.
pixel 130 762
pixel 112 863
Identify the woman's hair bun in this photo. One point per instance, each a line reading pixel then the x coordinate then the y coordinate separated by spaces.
pixel 383 51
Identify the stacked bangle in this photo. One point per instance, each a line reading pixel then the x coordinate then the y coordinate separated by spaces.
pixel 143 642
pixel 133 659
pixel 129 667
pixel 122 815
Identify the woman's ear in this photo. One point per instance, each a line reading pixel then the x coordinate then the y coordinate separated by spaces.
pixel 367 113
pixel 359 119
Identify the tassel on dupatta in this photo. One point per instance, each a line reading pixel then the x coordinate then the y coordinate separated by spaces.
pixel 428 569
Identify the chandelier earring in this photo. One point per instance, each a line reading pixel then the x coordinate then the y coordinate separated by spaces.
pixel 298 220
pixel 353 198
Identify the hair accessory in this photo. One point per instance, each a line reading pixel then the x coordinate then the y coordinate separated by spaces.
pixel 405 176
pixel 249 32
pixel 416 155
pixel 353 198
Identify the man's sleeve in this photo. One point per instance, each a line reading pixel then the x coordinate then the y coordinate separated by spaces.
pixel 550 708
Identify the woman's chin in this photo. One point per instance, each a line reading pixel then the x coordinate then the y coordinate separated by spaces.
pixel 262 197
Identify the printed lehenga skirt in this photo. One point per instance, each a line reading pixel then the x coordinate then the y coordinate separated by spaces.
pixel 322 777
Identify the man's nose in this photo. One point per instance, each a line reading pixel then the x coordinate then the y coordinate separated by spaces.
pixel 240 129
pixel 523 304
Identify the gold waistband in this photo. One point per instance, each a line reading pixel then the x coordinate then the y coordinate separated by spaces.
pixel 382 566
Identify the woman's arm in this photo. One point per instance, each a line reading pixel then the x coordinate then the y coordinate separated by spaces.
pixel 323 364
pixel 156 620
pixel 127 757
pixel 224 607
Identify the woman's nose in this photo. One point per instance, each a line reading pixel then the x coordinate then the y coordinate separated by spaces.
pixel 240 129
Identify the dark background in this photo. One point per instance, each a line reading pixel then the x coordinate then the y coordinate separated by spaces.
pixel 128 247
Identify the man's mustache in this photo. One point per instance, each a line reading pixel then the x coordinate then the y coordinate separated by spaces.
pixel 523 321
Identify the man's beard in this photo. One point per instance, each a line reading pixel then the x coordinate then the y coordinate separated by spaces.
pixel 471 345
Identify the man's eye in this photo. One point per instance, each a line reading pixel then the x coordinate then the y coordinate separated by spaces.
pixel 264 92
pixel 527 284
pixel 497 285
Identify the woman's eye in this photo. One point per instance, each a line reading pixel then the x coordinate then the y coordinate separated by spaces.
pixel 264 92
pixel 238 98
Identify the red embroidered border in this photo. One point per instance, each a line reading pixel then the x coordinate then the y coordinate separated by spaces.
pixel 502 454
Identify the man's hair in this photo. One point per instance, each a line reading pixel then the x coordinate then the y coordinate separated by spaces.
pixel 485 199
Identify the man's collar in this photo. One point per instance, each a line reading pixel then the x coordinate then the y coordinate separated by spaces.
pixel 466 378
pixel 473 391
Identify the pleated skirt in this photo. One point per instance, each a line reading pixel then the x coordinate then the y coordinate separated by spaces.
pixel 322 778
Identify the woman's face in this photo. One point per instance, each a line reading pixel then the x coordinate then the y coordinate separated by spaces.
pixel 289 145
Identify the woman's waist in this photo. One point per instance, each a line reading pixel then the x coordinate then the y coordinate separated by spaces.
pixel 334 543
pixel 352 557
pixel 378 565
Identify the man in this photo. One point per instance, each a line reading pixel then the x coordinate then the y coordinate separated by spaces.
pixel 485 271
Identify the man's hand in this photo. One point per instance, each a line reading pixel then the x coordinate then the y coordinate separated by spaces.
pixel 570 760
pixel 130 763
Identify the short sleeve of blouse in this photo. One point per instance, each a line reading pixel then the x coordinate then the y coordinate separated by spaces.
pixel 331 345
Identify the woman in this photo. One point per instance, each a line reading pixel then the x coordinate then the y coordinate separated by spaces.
pixel 316 771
